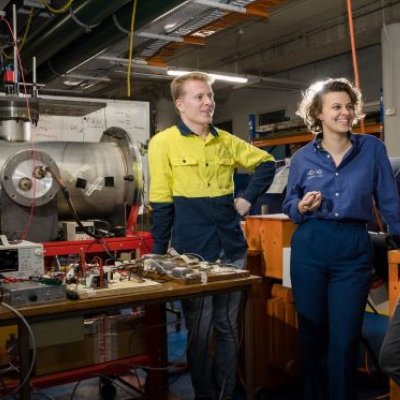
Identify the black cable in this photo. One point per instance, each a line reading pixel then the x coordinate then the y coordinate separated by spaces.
pixel 74 390
pixel 71 206
pixel 42 393
pixel 122 387
pixel 33 343
pixel 142 389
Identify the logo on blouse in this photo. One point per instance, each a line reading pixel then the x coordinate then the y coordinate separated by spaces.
pixel 315 173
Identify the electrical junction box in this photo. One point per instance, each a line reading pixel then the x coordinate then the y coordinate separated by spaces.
pixel 24 294
pixel 21 259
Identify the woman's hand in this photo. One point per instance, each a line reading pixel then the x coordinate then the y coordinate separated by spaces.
pixel 310 202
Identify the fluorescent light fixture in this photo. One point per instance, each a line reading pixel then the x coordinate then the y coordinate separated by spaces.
pixel 87 77
pixel 220 77
pixel 72 82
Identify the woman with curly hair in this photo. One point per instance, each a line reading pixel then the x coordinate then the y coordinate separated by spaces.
pixel 333 182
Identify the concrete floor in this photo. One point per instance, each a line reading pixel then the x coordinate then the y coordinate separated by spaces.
pixel 371 386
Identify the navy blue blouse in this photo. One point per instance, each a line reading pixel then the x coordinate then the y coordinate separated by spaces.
pixel 348 189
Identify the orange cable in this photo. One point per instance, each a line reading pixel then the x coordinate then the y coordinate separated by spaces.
pixel 357 81
pixel 354 52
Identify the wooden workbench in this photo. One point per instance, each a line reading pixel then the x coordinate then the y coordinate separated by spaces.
pixel 154 295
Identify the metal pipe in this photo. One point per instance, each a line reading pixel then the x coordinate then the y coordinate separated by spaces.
pixel 15 41
pixel 34 82
pixel 63 29
pixel 105 35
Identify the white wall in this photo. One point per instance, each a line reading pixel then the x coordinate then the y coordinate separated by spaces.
pixel 242 102
pixel 391 87
pixel 165 114
pixel 132 116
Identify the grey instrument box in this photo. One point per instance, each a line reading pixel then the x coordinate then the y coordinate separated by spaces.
pixel 24 294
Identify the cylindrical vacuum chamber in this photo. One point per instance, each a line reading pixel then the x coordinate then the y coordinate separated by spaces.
pixel 102 180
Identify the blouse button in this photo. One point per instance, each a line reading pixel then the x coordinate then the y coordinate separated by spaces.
pixel 336 214
pixel 183 161
pixel 328 156
pixel 337 173
pixel 336 194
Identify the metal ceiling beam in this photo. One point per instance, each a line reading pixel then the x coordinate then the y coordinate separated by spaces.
pixel 105 35
pixel 61 30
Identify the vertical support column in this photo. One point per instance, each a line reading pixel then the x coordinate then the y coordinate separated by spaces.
pixel 390 36
pixel 157 381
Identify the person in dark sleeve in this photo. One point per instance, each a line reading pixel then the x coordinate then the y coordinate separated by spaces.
pixel 191 168
pixel 332 184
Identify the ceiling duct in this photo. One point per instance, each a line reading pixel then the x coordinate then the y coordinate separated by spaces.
pixel 106 34
pixel 63 29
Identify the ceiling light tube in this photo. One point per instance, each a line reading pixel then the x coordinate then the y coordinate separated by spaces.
pixel 220 77
pixel 123 60
pixel 167 38
pixel 87 77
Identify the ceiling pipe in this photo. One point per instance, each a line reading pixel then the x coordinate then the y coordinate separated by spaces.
pixel 102 36
pixel 262 82
pixel 61 30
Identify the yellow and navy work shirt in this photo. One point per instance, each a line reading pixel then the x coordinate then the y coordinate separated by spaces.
pixel 191 190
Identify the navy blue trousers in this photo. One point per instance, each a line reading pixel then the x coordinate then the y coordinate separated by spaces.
pixel 331 275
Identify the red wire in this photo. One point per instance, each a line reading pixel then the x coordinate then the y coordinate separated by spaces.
pixel 101 269
pixel 29 222
pixel 83 261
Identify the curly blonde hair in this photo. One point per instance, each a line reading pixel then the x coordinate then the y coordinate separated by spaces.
pixel 311 105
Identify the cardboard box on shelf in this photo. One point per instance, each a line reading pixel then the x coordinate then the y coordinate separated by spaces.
pixel 124 336
pixel 66 356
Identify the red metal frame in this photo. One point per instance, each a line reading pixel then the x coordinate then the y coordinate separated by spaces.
pixel 82 373
pixel 156 340
pixel 141 241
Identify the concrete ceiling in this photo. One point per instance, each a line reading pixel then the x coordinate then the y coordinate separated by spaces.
pixel 297 32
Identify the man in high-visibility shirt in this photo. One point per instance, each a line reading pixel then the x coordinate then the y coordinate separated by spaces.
pixel 191 167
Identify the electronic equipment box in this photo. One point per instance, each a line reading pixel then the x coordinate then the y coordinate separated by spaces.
pixel 24 294
pixel 21 258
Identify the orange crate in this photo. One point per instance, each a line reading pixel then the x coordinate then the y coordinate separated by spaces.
pixel 276 233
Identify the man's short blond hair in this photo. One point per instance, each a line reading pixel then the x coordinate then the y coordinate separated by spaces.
pixel 179 81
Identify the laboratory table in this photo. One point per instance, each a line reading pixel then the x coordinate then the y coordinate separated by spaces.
pixel 152 295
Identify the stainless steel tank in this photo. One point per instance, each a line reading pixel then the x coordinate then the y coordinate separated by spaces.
pixel 102 179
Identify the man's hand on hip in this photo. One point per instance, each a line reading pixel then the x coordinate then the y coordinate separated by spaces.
pixel 242 206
